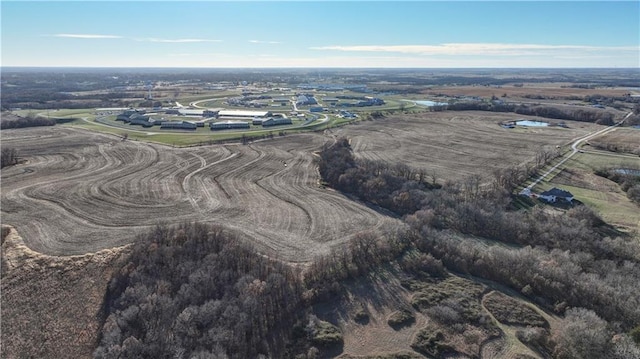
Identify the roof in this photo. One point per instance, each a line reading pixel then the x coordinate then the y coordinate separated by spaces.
pixel 229 123
pixel 557 192
pixel 193 112
pixel 242 113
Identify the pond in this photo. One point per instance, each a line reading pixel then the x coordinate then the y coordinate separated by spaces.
pixel 430 103
pixel 532 123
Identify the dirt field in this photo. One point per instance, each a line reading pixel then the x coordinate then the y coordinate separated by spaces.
pixel 547 90
pixel 81 192
pixel 457 144
pixel 380 295
pixel 51 306
pixel 621 140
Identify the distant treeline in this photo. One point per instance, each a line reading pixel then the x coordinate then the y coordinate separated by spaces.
pixel 9 157
pixel 29 121
pixel 33 121
pixel 583 115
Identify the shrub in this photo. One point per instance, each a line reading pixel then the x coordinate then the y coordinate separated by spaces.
pixel 360 315
pixel 431 343
pixel 510 311
pixel 323 333
pixel 401 318
pixel 635 334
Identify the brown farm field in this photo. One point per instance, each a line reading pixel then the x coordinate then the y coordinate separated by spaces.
pixel 548 90
pixel 81 192
pixel 623 139
pixel 78 195
pixel 455 145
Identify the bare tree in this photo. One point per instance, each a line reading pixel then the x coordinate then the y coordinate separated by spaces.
pixel 9 157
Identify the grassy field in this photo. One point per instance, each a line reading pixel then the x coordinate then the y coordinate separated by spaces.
pixel 577 176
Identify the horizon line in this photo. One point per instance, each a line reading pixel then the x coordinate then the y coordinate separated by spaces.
pixel 305 67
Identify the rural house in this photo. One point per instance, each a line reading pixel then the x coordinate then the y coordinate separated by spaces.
pixel 555 194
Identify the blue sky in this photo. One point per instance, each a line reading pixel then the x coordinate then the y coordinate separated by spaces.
pixel 321 34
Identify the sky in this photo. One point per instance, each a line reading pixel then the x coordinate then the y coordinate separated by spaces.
pixel 261 34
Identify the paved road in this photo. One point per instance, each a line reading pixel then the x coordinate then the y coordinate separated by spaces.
pixel 574 148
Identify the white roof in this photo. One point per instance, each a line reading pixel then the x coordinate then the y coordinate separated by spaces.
pixel 184 111
pixel 242 113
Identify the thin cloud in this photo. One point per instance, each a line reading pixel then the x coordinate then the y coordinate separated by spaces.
pixel 477 49
pixel 87 36
pixel 264 42
pixel 153 39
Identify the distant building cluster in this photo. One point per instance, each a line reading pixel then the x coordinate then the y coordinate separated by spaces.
pixel 216 118
pixel 306 100
pixel 355 101
pixel 255 101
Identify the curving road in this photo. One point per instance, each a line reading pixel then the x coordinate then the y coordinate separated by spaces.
pixel 574 150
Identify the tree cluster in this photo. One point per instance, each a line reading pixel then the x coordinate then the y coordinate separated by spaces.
pixel 561 260
pixel 29 121
pixel 583 115
pixel 195 291
pixel 629 181
pixel 397 187
pixel 9 157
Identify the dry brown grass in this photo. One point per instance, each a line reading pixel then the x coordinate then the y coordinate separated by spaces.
pixel 51 306
pixel 380 296
pixel 620 140
pixel 585 179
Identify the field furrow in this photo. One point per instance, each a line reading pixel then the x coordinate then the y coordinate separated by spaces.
pixel 80 192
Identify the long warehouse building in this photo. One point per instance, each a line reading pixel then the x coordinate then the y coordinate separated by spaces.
pixel 226 125
pixel 243 114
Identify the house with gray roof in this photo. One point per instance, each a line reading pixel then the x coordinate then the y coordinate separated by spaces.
pixel 555 194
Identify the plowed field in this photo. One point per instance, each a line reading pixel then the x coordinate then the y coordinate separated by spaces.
pixel 454 145
pixel 81 192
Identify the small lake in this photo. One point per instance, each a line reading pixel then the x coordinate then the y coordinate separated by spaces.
pixel 430 103
pixel 532 123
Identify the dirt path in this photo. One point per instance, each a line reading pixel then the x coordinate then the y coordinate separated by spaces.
pixel 574 150
pixel 507 346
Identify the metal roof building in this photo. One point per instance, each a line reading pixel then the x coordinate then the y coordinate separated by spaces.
pixel 243 114
pixel 276 122
pixel 183 125
pixel 226 125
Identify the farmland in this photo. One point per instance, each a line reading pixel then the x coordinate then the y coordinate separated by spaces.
pixel 457 273
pixel 82 192
pixel 77 185
pixel 455 145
